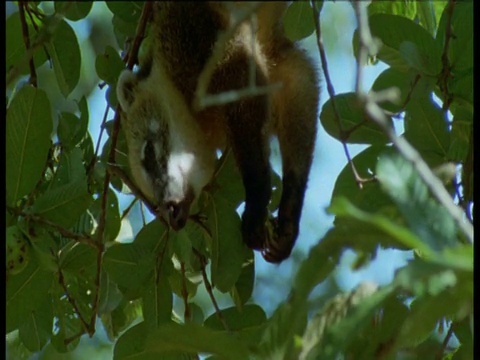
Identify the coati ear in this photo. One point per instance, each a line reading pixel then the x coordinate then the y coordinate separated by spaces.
pixel 126 88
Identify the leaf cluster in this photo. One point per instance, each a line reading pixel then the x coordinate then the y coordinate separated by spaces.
pixel 67 268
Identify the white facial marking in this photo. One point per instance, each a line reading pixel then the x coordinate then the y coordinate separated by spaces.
pixel 154 126
pixel 179 168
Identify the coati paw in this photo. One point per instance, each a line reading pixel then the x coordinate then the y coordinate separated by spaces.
pixel 280 241
pixel 254 231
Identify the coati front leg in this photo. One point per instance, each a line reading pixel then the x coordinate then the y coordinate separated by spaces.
pixel 249 144
pixel 246 122
pixel 296 109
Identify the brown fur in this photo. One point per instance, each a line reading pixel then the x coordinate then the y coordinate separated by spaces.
pixel 185 34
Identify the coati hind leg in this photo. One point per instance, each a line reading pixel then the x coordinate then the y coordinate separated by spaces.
pixel 246 122
pixel 296 112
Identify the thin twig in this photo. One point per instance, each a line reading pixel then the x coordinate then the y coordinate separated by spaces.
pixel 432 182
pixel 209 289
pixel 22 5
pixel 86 327
pixel 186 313
pixel 445 75
pixel 441 352
pixel 331 92
pixel 202 99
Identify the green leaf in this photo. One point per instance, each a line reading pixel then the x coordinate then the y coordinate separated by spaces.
pixel 352 118
pixel 228 250
pixel 339 335
pixel 71 130
pixel 157 300
pixel 429 220
pixel 110 297
pixel 70 168
pixel 461 133
pixel 109 65
pixel 426 15
pixel 426 127
pixel 370 197
pixel 112 217
pixel 75 10
pixel 298 20
pixel 28 129
pixel 64 204
pixel 65 54
pixel 37 329
pixel 129 265
pixel 26 294
pixel 460 50
pixel 242 291
pixel 15 52
pixel 403 8
pixel 193 338
pixel 342 207
pixel 128 11
pixel 76 258
pixel 393 31
pixel 251 315
pixel 392 78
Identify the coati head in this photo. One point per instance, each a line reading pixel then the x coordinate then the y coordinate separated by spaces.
pixel 169 158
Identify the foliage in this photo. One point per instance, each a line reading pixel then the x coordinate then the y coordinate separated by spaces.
pixel 65 269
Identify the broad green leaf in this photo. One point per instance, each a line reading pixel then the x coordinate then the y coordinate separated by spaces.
pixel 157 299
pixel 71 130
pixel 416 60
pixel 363 303
pixel 360 129
pixel 112 219
pixel 28 130
pixel 109 65
pixel 182 246
pixel 70 168
pixel 76 258
pixel 131 346
pixel 129 265
pixel 298 21
pixel 123 29
pixel 393 30
pixel 110 297
pixel 37 329
pixel 369 197
pixel 392 78
pixel 461 133
pixel 407 9
pixel 345 317
pixel 66 322
pixel 242 291
pixel 128 11
pixel 251 315
pixel 75 10
pixel 15 51
pixel 25 294
pixel 460 50
pixel 63 205
pixel 342 207
pixel 228 183
pixel 426 15
pixel 228 250
pixel 429 220
pixel 193 338
pixel 65 54
pixel 426 127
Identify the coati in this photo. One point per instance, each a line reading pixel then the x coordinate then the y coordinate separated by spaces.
pixel 172 147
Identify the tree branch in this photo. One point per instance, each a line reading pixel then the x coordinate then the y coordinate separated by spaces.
pixel 331 92
pixel 434 184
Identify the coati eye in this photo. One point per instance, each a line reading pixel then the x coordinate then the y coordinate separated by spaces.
pixel 149 158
